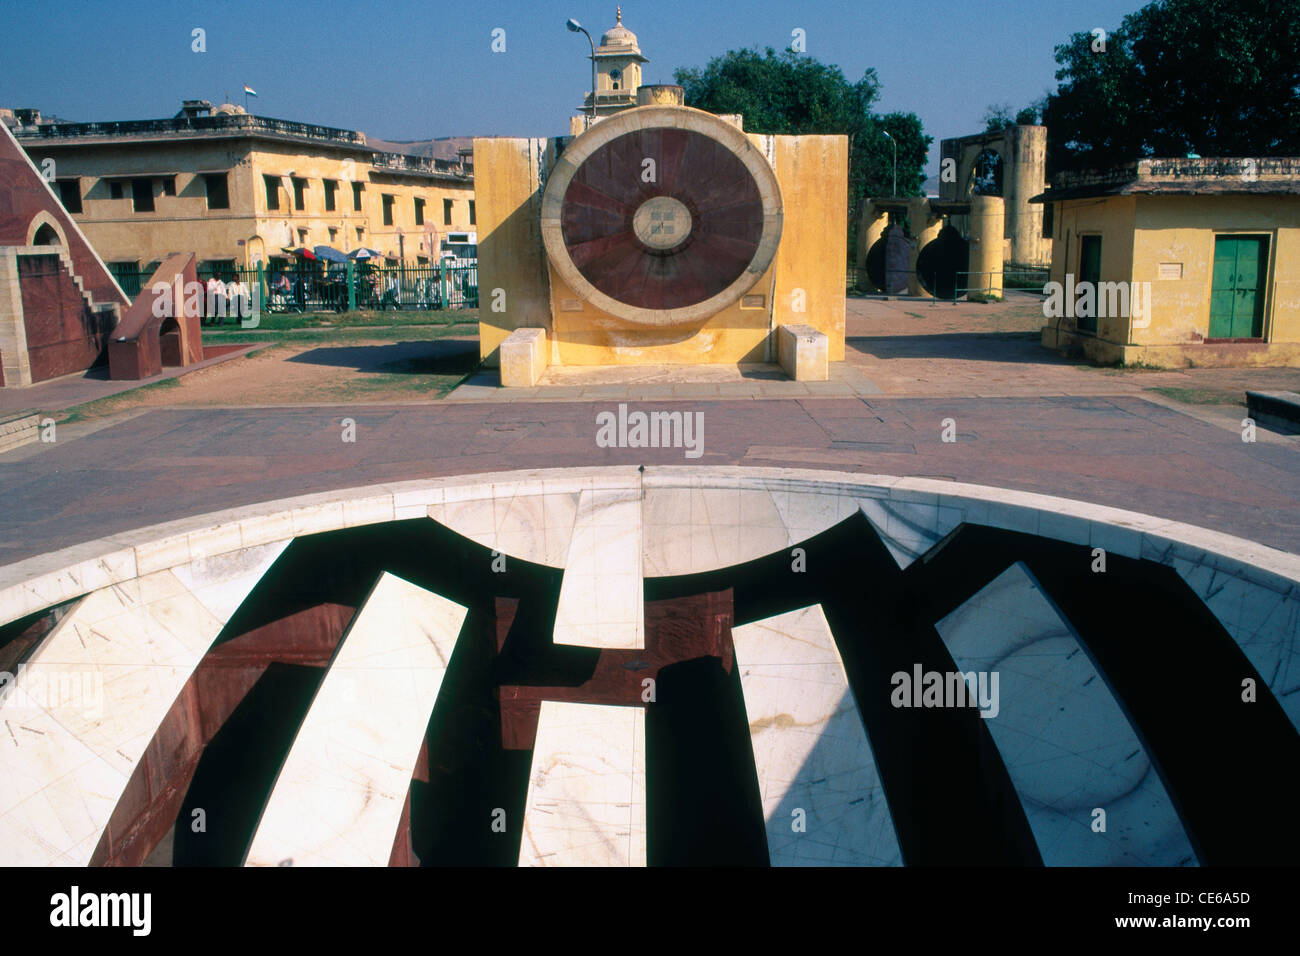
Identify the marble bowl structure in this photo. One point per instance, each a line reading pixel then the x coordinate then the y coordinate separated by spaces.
pixel 627 666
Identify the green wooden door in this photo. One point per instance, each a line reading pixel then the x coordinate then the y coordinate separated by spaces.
pixel 1237 289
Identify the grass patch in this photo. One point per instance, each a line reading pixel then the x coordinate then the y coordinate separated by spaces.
pixel 1199 396
pixel 309 321
pixel 347 335
pixel 428 377
pixel 111 403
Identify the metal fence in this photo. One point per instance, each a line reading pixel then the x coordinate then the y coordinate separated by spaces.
pixel 1027 280
pixel 328 287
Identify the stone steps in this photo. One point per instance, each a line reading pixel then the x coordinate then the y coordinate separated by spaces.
pixel 18 429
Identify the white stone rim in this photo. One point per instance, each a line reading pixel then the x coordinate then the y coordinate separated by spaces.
pixel 35 584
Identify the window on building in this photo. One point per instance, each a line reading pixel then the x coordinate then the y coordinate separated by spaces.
pixel 1049 219
pixel 361 234
pixel 446 211
pixel 299 193
pixel 169 185
pixel 223 269
pixel 218 190
pixel 334 234
pixel 471 213
pixel 272 191
pixel 127 274
pixel 142 194
pixel 302 237
pixel 388 209
pixel 419 212
pixel 70 194
pixel 356 196
pixel 331 186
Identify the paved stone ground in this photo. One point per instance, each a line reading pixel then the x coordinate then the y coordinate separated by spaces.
pixel 1118 451
pixel 1026 419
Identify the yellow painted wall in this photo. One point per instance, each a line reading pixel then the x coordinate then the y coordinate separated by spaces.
pixel 511 257
pixel 1112 219
pixel 1182 229
pixel 590 336
pixel 1139 233
pixel 814 173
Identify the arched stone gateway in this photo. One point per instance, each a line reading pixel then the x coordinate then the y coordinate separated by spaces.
pixel 929 672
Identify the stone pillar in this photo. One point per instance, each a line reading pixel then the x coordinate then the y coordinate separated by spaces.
pixel 660 94
pixel 871 226
pixel 1024 220
pixel 986 227
pixel 13 328
pixel 925 229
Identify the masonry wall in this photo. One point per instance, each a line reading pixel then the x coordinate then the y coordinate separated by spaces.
pixel 24 196
pixel 804 285
pixel 1182 230
pixel 1112 219
pixel 63 334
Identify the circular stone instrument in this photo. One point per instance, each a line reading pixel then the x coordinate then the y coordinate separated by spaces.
pixel 661 215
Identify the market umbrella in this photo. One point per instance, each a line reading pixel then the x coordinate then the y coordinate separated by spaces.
pixel 302 252
pixel 364 253
pixel 329 254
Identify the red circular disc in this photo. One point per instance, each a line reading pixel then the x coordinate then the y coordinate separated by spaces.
pixel 678 252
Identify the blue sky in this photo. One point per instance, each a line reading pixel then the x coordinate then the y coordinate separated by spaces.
pixel 401 69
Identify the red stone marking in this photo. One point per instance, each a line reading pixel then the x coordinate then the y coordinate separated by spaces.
pixel 676 630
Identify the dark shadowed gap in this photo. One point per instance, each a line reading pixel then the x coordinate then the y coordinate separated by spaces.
pixel 239 766
pixel 703 806
pixel 949 793
pixel 1230 768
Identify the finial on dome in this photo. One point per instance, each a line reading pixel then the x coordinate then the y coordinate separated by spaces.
pixel 620 13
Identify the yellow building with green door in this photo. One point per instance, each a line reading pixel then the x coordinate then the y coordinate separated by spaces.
pixel 1176 262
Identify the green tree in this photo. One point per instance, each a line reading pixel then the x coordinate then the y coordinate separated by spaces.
pixel 1179 77
pixel 791 93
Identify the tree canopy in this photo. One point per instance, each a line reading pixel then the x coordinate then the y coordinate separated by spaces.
pixel 793 93
pixel 1179 77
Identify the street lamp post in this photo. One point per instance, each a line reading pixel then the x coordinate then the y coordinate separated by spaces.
pixel 576 27
pixel 894 143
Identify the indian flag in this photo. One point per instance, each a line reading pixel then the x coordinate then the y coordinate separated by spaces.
pixel 249 90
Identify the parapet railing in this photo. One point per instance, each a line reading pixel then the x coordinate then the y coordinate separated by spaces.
pixel 237 122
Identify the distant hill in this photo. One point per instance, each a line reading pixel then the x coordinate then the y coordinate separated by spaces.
pixel 445 147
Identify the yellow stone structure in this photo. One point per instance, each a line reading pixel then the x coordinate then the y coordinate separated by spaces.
pixel 1198 259
pixel 238 189
pixel 1017 158
pixel 977 276
pixel 580 238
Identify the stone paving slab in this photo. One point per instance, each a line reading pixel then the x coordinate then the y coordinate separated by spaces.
pixel 1117 451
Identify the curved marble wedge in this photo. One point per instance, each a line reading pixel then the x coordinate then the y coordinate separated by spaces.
pixel 339 796
pixel 1066 742
pixel 815 766
pixel 125 651
pixel 601 600
pixel 586 800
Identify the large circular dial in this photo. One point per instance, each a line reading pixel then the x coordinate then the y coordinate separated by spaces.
pixel 661 215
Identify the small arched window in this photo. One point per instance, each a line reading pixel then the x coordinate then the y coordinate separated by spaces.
pixel 45 236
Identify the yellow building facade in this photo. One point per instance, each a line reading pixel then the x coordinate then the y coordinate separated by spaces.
pixel 1197 262
pixel 237 189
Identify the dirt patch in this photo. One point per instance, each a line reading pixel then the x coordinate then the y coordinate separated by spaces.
pixel 310 373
